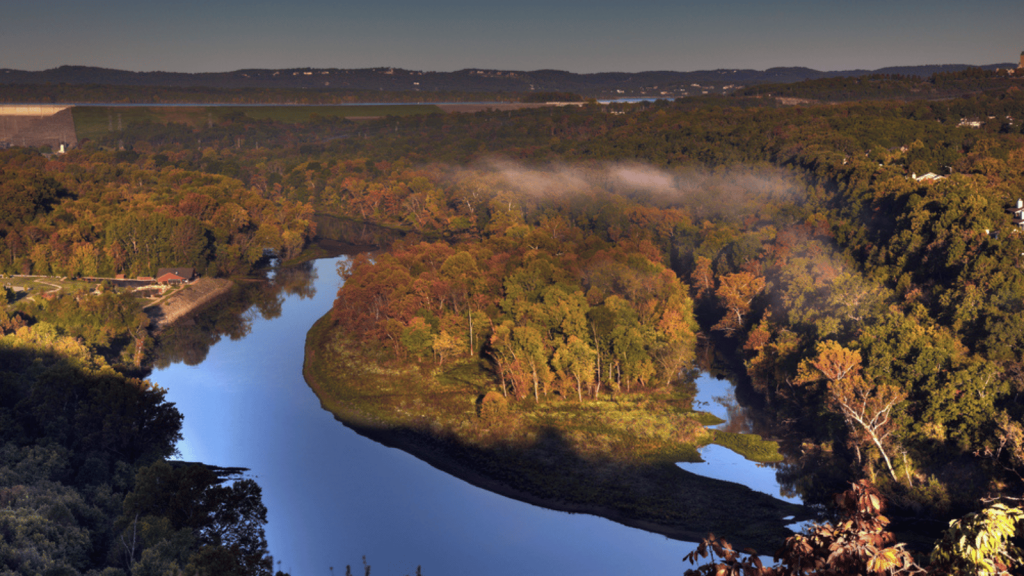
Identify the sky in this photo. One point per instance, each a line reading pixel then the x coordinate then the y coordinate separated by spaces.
pixel 444 35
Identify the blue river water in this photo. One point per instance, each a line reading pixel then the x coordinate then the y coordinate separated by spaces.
pixel 718 397
pixel 334 496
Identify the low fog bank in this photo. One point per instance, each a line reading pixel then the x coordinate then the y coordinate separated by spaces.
pixel 721 192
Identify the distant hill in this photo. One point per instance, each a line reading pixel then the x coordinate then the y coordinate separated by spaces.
pixel 666 84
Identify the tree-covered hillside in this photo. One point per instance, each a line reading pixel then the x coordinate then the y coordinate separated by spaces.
pixel 873 311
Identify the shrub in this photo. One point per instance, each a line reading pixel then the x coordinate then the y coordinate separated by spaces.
pixel 493 406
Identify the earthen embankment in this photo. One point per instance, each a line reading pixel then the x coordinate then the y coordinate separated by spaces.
pixel 190 298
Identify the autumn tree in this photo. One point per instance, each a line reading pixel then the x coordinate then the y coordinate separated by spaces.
pixel 857 544
pixel 736 293
pixel 865 405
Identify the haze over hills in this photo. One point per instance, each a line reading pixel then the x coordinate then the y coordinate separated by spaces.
pixel 653 83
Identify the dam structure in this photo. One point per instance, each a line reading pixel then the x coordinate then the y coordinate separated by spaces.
pixel 37 125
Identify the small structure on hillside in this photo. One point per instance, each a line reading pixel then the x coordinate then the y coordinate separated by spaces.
pixel 929 177
pixel 1018 214
pixel 175 275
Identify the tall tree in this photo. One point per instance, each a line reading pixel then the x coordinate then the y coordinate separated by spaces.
pixel 576 358
pixel 865 405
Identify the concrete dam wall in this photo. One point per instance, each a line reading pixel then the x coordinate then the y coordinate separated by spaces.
pixel 31 109
pixel 36 125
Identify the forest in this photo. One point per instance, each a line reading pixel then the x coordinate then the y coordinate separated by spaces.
pixel 573 255
pixel 880 86
pixel 85 485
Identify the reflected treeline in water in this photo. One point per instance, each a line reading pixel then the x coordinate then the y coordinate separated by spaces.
pixel 332 229
pixel 189 339
pixel 815 474
pixel 298 280
pixel 809 471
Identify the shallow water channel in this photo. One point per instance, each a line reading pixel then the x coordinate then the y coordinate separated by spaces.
pixel 719 398
pixel 334 496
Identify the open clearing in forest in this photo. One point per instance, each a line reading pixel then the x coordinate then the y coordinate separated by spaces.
pixel 43 284
pixel 92 122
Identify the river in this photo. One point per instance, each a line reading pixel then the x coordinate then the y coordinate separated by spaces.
pixel 334 496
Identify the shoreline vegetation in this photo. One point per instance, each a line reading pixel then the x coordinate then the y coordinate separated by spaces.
pixel 437 417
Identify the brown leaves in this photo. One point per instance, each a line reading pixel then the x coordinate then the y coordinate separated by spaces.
pixel 856 545
pixel 702 277
pixel 735 293
pixel 732 563
pixel 833 363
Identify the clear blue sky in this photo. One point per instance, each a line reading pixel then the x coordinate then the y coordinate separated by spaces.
pixel 442 35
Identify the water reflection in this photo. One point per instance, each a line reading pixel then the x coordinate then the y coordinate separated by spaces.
pixel 189 339
pixel 352 234
pixel 718 396
pixel 299 280
pixel 334 496
pixel 811 470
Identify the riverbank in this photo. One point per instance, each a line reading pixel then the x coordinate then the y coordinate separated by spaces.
pixel 187 300
pixel 631 479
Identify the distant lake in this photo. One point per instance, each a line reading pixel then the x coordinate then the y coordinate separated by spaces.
pixel 334 496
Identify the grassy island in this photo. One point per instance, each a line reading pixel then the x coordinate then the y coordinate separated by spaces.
pixel 614 457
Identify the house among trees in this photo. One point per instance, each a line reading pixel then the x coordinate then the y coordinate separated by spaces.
pixel 1018 214
pixel 929 177
pixel 174 275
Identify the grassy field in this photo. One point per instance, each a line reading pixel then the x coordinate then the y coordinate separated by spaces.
pixel 750 446
pixel 92 122
pixel 615 457
pixel 33 288
pixel 43 284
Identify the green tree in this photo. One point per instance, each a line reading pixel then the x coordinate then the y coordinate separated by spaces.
pixel 576 358
pixel 225 520
pixel 981 543
pixel 532 353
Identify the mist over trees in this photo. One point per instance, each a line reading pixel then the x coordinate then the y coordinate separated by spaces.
pixel 577 252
